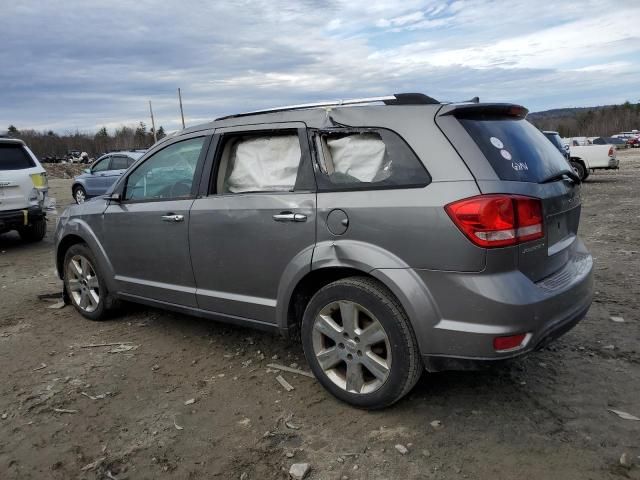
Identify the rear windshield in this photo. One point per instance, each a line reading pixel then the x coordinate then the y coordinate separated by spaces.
pixel 515 149
pixel 14 157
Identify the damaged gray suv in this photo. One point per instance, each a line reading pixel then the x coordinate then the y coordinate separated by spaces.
pixel 391 234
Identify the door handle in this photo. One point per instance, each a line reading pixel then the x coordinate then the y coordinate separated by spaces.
pixel 173 218
pixel 290 217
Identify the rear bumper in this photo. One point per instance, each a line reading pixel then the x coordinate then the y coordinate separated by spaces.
pixel 14 219
pixel 473 309
pixel 613 164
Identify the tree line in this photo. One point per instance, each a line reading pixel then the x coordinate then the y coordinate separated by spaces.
pixel 589 122
pixel 50 144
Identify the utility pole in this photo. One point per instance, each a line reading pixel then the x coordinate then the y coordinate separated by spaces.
pixel 153 124
pixel 181 112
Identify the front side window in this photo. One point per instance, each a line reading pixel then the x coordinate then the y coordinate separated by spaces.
pixel 366 159
pixel 167 174
pixel 101 165
pixel 14 156
pixel 259 163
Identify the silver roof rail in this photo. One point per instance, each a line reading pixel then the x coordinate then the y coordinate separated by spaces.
pixel 397 99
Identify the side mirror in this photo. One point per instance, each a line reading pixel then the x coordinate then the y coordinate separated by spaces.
pixel 114 197
pixel 86 170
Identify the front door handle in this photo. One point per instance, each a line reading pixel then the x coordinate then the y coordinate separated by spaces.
pixel 173 218
pixel 290 217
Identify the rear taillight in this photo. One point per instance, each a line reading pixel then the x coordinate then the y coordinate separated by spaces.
pixel 498 220
pixel 611 151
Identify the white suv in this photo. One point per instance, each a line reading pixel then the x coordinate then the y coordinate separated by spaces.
pixel 23 191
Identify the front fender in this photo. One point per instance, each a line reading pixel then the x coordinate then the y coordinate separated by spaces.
pixel 76 228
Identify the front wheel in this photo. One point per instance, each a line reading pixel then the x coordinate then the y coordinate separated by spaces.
pixel 85 284
pixel 359 344
pixel 34 232
pixel 79 195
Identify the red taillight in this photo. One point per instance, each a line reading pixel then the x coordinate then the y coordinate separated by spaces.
pixel 498 220
pixel 508 343
pixel 611 150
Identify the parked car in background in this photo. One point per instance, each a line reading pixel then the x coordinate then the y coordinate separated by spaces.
pixel 587 158
pixel 23 191
pixel 102 174
pixel 618 142
pixel 555 138
pixel 390 234
pixel 634 142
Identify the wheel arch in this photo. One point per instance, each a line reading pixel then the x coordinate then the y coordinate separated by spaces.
pixel 81 233
pixel 290 319
pixel 579 160
pixel 403 282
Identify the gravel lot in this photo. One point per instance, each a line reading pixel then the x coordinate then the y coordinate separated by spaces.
pixel 126 412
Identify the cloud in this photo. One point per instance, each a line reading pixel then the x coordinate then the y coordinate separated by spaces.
pixel 75 64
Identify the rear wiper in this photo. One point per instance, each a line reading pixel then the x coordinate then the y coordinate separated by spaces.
pixel 563 175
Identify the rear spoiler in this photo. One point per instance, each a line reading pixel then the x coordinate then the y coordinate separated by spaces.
pixel 478 109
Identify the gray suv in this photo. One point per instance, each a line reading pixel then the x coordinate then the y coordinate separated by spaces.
pixel 391 234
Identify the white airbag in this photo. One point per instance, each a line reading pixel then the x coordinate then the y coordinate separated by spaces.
pixel 360 156
pixel 264 164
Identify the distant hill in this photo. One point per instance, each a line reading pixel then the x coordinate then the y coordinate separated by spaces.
pixel 603 120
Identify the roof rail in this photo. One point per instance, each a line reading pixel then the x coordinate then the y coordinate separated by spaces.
pixel 397 99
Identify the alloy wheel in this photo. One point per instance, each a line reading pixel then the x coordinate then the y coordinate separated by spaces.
pixel 83 283
pixel 352 347
pixel 80 196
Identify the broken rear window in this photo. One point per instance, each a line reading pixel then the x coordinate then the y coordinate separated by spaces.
pixel 366 159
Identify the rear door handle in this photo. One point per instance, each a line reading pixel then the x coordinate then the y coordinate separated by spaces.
pixel 173 218
pixel 290 217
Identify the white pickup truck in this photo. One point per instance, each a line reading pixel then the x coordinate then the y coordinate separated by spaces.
pixel 587 158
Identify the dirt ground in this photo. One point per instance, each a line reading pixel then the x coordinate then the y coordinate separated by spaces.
pixel 126 412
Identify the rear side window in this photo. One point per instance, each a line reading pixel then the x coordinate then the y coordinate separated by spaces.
pixel 516 150
pixel 354 159
pixel 119 163
pixel 14 157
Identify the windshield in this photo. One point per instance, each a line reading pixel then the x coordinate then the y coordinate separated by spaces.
pixel 14 157
pixel 516 150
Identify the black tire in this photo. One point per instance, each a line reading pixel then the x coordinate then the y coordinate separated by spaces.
pixel 107 303
pixel 406 365
pixel 580 169
pixel 34 232
pixel 75 193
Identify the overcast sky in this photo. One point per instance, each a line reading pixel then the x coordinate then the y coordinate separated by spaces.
pixel 78 64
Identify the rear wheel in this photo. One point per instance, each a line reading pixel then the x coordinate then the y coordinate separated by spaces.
pixel 79 195
pixel 35 231
pixel 359 343
pixel 84 283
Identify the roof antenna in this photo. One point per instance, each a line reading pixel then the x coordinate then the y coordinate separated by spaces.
pixel 474 100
